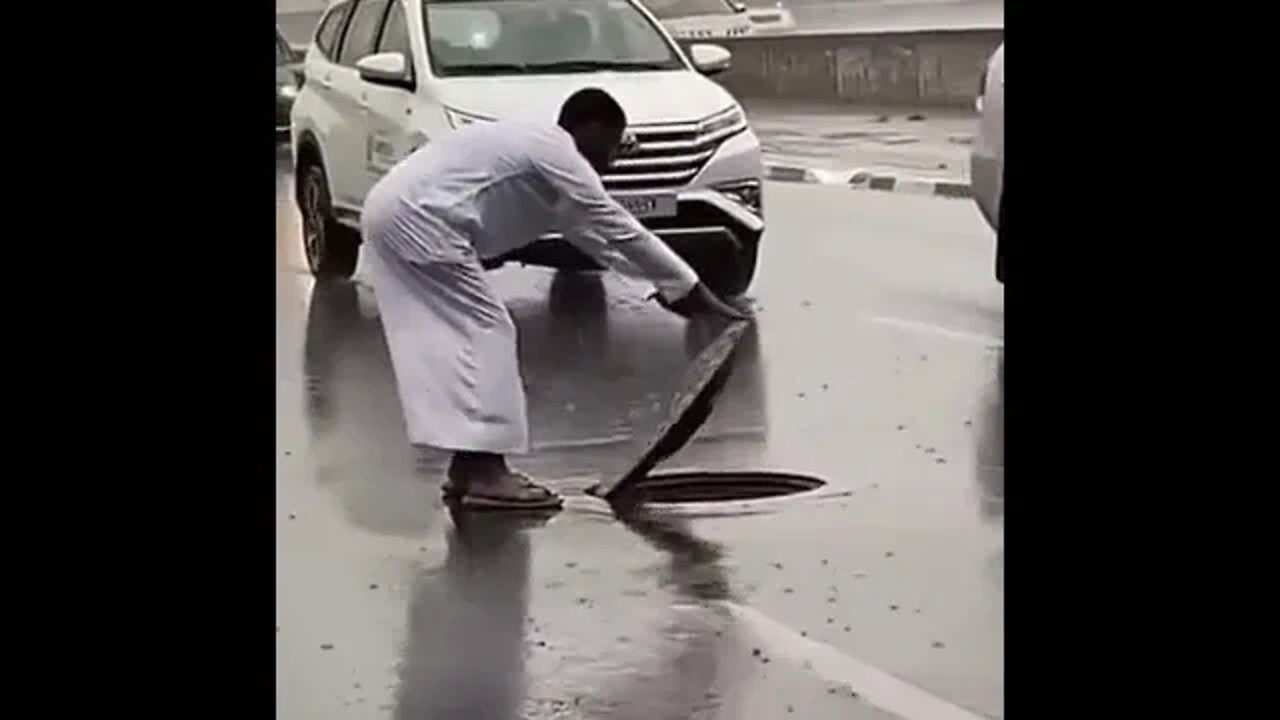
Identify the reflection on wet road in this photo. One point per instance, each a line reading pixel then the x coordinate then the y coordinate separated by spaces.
pixel 464 653
pixel 897 563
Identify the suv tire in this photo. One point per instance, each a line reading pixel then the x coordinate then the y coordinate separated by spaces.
pixel 331 248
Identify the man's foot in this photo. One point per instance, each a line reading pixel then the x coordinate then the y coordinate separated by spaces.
pixel 508 491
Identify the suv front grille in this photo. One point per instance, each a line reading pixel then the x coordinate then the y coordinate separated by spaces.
pixel 667 156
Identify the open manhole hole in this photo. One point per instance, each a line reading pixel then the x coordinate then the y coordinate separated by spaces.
pixel 695 486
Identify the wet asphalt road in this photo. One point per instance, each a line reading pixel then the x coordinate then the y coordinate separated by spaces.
pixel 874 365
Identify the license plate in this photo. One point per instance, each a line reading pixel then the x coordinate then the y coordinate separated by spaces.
pixel 644 206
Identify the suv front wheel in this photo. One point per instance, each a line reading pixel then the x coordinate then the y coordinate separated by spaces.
pixel 332 248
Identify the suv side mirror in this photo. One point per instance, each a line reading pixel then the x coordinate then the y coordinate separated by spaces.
pixel 710 59
pixel 389 68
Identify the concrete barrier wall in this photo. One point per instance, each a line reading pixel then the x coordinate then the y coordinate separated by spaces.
pixel 939 68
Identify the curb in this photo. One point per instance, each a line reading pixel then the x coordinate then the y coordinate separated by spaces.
pixel 891 183
pixel 790 173
pixel 863 180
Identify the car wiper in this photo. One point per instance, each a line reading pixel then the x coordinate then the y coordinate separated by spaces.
pixel 589 65
pixel 483 69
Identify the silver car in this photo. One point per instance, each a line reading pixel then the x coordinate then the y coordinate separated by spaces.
pixel 987 160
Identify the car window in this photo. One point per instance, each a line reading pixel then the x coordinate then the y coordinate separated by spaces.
pixel 668 9
pixel 327 35
pixel 395 33
pixel 494 37
pixel 362 32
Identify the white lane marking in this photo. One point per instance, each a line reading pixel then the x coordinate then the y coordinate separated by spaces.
pixel 917 326
pixel 875 687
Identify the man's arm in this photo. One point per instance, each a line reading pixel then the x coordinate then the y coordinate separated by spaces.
pixel 595 223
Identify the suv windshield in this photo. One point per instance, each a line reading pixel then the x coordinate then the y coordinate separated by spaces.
pixel 505 37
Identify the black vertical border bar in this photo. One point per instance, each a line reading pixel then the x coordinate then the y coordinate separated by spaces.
pixel 1085 231
pixel 154 300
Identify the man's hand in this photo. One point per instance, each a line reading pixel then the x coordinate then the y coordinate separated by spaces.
pixel 701 301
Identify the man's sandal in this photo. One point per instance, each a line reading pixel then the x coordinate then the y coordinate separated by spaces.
pixel 530 496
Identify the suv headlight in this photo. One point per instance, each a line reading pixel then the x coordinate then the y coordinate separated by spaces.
pixel 458 118
pixel 725 123
pixel 747 193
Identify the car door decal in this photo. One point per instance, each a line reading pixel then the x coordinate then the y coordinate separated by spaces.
pixel 380 152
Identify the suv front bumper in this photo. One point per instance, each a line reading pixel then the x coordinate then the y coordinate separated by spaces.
pixel 708 230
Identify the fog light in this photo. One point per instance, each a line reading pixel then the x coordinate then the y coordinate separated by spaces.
pixel 746 193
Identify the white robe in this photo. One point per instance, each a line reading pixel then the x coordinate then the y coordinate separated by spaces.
pixel 479 192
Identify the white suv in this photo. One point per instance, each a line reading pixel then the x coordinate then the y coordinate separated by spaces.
pixel 383 77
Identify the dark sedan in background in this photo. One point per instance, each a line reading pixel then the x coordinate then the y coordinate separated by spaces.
pixel 288 73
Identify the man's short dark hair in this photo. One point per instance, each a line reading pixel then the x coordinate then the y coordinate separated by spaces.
pixel 592 105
